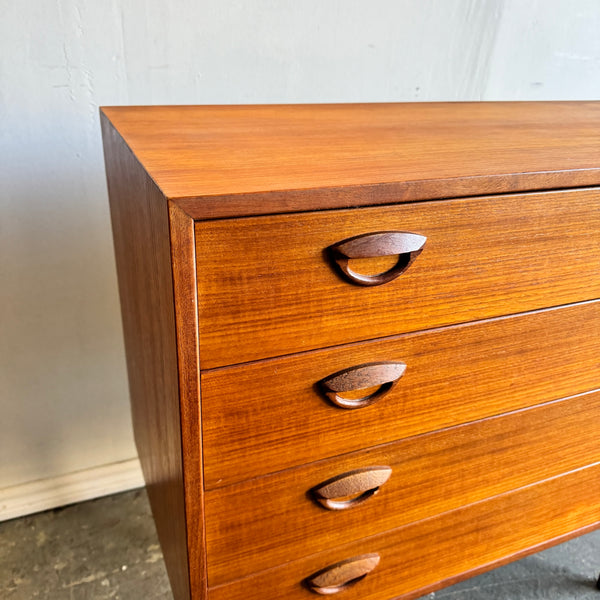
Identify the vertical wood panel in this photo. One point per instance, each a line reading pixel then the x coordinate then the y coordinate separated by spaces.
pixel 183 255
pixel 141 237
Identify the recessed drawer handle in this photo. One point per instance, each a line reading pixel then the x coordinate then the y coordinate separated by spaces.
pixel 352 488
pixel 362 377
pixel 383 243
pixel 341 575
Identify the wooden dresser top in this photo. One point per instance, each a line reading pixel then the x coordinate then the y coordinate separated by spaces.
pixel 220 161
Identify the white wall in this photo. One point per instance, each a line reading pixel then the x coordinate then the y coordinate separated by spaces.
pixel 63 391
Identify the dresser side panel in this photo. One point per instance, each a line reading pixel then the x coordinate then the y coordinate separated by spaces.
pixel 140 223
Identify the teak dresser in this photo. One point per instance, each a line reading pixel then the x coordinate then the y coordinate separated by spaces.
pixel 362 340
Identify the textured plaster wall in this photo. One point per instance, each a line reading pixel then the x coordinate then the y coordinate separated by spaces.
pixel 63 390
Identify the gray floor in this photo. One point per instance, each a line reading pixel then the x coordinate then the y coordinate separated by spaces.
pixel 107 549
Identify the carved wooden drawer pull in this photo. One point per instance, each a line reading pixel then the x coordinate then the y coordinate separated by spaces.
pixel 362 377
pixel 338 577
pixel 352 488
pixel 383 243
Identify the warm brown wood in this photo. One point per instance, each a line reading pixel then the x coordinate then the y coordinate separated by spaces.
pixel 140 223
pixel 263 522
pixel 234 160
pixel 350 489
pixel 240 233
pixel 267 289
pixel 186 316
pixel 337 578
pixel 359 380
pixel 453 375
pixel 428 554
pixel 369 245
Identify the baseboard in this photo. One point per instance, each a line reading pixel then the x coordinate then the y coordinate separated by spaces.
pixel 43 494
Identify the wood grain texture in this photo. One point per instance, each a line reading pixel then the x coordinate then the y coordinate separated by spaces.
pixel 336 578
pixel 186 317
pixel 361 385
pixel 143 256
pixel 258 417
pixel 348 489
pixel 234 160
pixel 429 554
pixel 262 523
pixel 222 293
pixel 268 289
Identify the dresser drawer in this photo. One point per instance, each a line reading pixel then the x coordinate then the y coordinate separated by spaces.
pixel 267 286
pixel 425 555
pixel 341 298
pixel 257 418
pixel 261 523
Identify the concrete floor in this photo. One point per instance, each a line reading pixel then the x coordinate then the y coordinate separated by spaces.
pixel 107 549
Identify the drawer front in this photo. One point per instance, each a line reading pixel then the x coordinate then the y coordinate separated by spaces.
pixel 267 287
pixel 263 417
pixel 425 555
pixel 264 522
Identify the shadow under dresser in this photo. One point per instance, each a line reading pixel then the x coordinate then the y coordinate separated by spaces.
pixel 362 340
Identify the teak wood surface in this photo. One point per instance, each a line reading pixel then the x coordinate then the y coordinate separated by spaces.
pixel 267 287
pixel 186 317
pixel 430 554
pixel 233 310
pixel 233 160
pixel 140 224
pixel 261 523
pixel 258 417
pixel 435 552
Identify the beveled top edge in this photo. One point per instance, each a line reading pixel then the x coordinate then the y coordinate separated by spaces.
pixel 223 161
